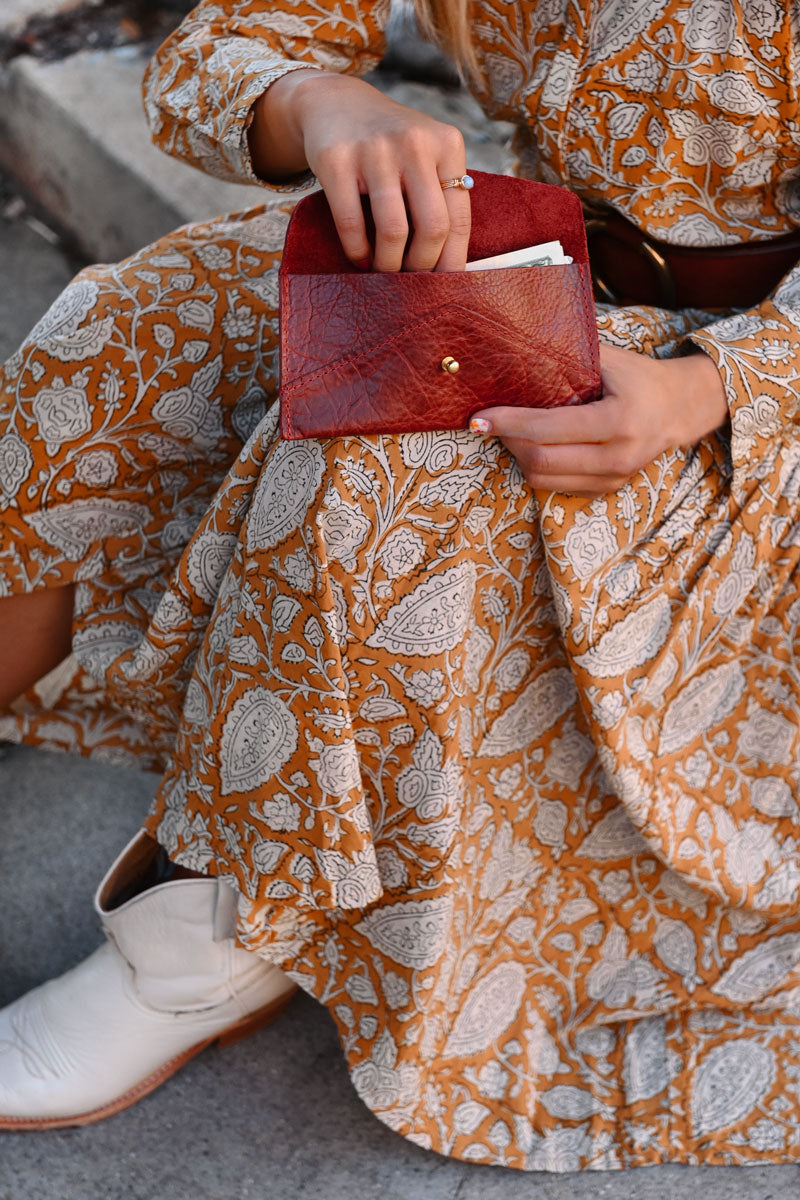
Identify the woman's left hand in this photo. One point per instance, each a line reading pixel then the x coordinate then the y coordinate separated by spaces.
pixel 648 405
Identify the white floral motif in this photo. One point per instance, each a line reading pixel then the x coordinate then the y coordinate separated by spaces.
pixel 535 710
pixel 66 313
pixel 337 768
pixel 614 836
pixel 16 461
pixel 382 1084
pixel 492 1004
pixel 703 703
pixel 618 24
pixel 711 26
pixel 645 1060
pixel 733 91
pixel 430 786
pixel 589 543
pixel 99 645
pixel 560 80
pixel 403 551
pixel 413 933
pixel 772 796
pixel 285 490
pixel 208 559
pixel 478 647
pixel 281 813
pixel 568 757
pixel 764 17
pixel 354 881
pixel 729 1083
pixel 760 970
pixel 630 643
pixel 623 581
pixel 425 687
pixel 258 738
pixel 73 527
pixel 62 412
pixel 512 669
pixel 767 736
pixel 343 528
pixel 749 852
pixel 98 468
pixel 432 618
pixel 511 864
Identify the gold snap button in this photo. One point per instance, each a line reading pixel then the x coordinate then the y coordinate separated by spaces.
pixel 450 365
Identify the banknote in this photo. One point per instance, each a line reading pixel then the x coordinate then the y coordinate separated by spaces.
pixel 544 255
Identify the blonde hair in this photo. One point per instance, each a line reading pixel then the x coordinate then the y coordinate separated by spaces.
pixel 447 22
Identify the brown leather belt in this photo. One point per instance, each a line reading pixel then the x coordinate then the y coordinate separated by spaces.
pixel 630 267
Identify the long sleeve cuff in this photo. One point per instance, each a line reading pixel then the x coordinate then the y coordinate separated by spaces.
pixel 214 137
pixel 758 356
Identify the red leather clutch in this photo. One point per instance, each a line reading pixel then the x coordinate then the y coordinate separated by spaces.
pixel 363 353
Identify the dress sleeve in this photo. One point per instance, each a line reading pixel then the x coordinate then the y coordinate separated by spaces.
pixel 200 88
pixel 758 355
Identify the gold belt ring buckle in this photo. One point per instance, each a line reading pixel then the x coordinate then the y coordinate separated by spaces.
pixel 598 224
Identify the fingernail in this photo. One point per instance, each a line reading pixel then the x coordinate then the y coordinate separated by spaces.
pixel 364 264
pixel 479 425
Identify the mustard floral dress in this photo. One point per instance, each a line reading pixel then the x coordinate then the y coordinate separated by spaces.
pixel 509 781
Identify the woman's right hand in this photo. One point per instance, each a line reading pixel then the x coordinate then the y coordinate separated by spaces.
pixel 359 142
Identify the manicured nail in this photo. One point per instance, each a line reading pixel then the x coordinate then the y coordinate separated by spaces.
pixel 364 264
pixel 479 425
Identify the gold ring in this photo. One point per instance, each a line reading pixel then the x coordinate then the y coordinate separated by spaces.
pixel 461 181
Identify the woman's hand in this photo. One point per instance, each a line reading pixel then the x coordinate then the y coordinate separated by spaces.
pixel 359 142
pixel 648 405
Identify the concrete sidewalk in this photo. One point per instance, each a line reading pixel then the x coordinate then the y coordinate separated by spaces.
pixel 272 1118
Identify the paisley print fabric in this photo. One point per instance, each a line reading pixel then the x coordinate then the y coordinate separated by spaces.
pixel 507 780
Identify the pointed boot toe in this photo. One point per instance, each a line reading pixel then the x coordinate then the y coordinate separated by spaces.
pixel 169 981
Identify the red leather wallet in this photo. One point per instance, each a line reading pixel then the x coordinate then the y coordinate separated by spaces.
pixel 363 353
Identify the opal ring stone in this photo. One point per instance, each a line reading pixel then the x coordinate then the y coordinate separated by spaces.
pixel 461 181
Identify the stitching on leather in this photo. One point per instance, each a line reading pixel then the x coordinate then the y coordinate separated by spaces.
pixel 347 362
pixel 589 313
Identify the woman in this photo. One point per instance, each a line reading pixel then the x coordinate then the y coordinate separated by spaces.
pixel 495 737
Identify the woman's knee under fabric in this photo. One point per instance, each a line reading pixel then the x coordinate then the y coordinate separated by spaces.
pixel 121 412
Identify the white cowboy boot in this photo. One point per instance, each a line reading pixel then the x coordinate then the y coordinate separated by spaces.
pixel 169 981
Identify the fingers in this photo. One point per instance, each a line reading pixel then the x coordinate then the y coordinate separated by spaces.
pixel 344 197
pixel 595 422
pixel 440 217
pixel 454 252
pixel 383 185
pixel 401 173
pixel 430 217
pixel 541 463
pixel 580 470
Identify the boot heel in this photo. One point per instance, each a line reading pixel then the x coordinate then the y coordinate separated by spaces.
pixel 255 1021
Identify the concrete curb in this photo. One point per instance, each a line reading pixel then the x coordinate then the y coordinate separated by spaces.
pixel 73 133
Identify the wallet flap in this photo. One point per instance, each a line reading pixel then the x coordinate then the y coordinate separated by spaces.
pixel 507 214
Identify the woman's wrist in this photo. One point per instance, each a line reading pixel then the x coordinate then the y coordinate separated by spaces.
pixel 702 405
pixel 275 135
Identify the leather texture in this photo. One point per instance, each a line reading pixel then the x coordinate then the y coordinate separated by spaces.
pixel 362 353
pixel 158 987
